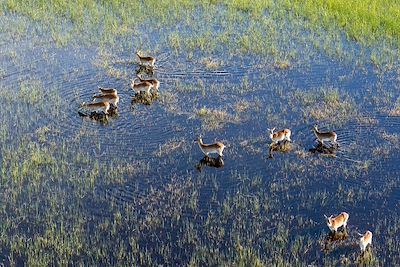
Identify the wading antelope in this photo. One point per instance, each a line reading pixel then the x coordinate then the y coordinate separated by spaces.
pixel 110 98
pixel 155 82
pixel 146 60
pixel 99 107
pixel 141 86
pixel 217 147
pixel 107 91
pixel 338 221
pixel 325 136
pixel 279 136
pixel 365 240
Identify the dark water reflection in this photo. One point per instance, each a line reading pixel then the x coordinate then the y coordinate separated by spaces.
pixel 210 162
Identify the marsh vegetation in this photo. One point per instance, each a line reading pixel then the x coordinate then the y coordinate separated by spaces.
pixel 135 190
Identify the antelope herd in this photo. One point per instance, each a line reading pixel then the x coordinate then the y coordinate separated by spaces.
pixel 108 99
pixel 334 223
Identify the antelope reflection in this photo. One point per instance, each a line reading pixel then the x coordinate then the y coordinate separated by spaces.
pixel 323 149
pixel 217 162
pixel 145 99
pixel 282 147
pixel 143 69
pixel 332 237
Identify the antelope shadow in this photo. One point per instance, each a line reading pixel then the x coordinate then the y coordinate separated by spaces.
pixel 145 98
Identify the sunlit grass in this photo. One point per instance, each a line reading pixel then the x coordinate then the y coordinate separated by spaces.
pixel 365 21
pixel 171 147
pixel 213 119
pixel 104 23
pixel 325 104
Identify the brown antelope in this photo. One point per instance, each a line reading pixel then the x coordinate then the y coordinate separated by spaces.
pixel 99 107
pixel 146 60
pixel 111 98
pixel 325 136
pixel 337 222
pixel 155 82
pixel 107 91
pixel 365 240
pixel 141 86
pixel 217 147
pixel 279 136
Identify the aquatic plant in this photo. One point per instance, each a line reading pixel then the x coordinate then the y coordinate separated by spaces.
pixel 215 119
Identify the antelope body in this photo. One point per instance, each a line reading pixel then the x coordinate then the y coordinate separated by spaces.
pixel 337 222
pixel 217 147
pixel 155 82
pixel 141 86
pixel 279 136
pixel 112 98
pixel 325 136
pixel 98 107
pixel 365 240
pixel 146 60
pixel 107 91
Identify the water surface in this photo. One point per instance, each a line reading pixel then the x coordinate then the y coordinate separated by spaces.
pixel 130 186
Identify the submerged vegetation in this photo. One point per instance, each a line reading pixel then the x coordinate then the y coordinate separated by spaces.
pixel 215 119
pixel 136 190
pixel 395 111
pixel 325 104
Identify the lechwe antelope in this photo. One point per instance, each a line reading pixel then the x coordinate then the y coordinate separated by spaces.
pixel 155 82
pixel 107 91
pixel 111 98
pixel 99 107
pixel 337 222
pixel 325 136
pixel 141 86
pixel 365 240
pixel 146 60
pixel 217 147
pixel 279 136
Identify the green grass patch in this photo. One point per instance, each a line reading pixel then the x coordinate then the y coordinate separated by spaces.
pixel 366 21
pixel 213 25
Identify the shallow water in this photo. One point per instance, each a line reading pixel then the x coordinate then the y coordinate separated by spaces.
pixel 252 200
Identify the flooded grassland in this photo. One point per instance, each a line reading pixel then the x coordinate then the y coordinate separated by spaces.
pixel 134 189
